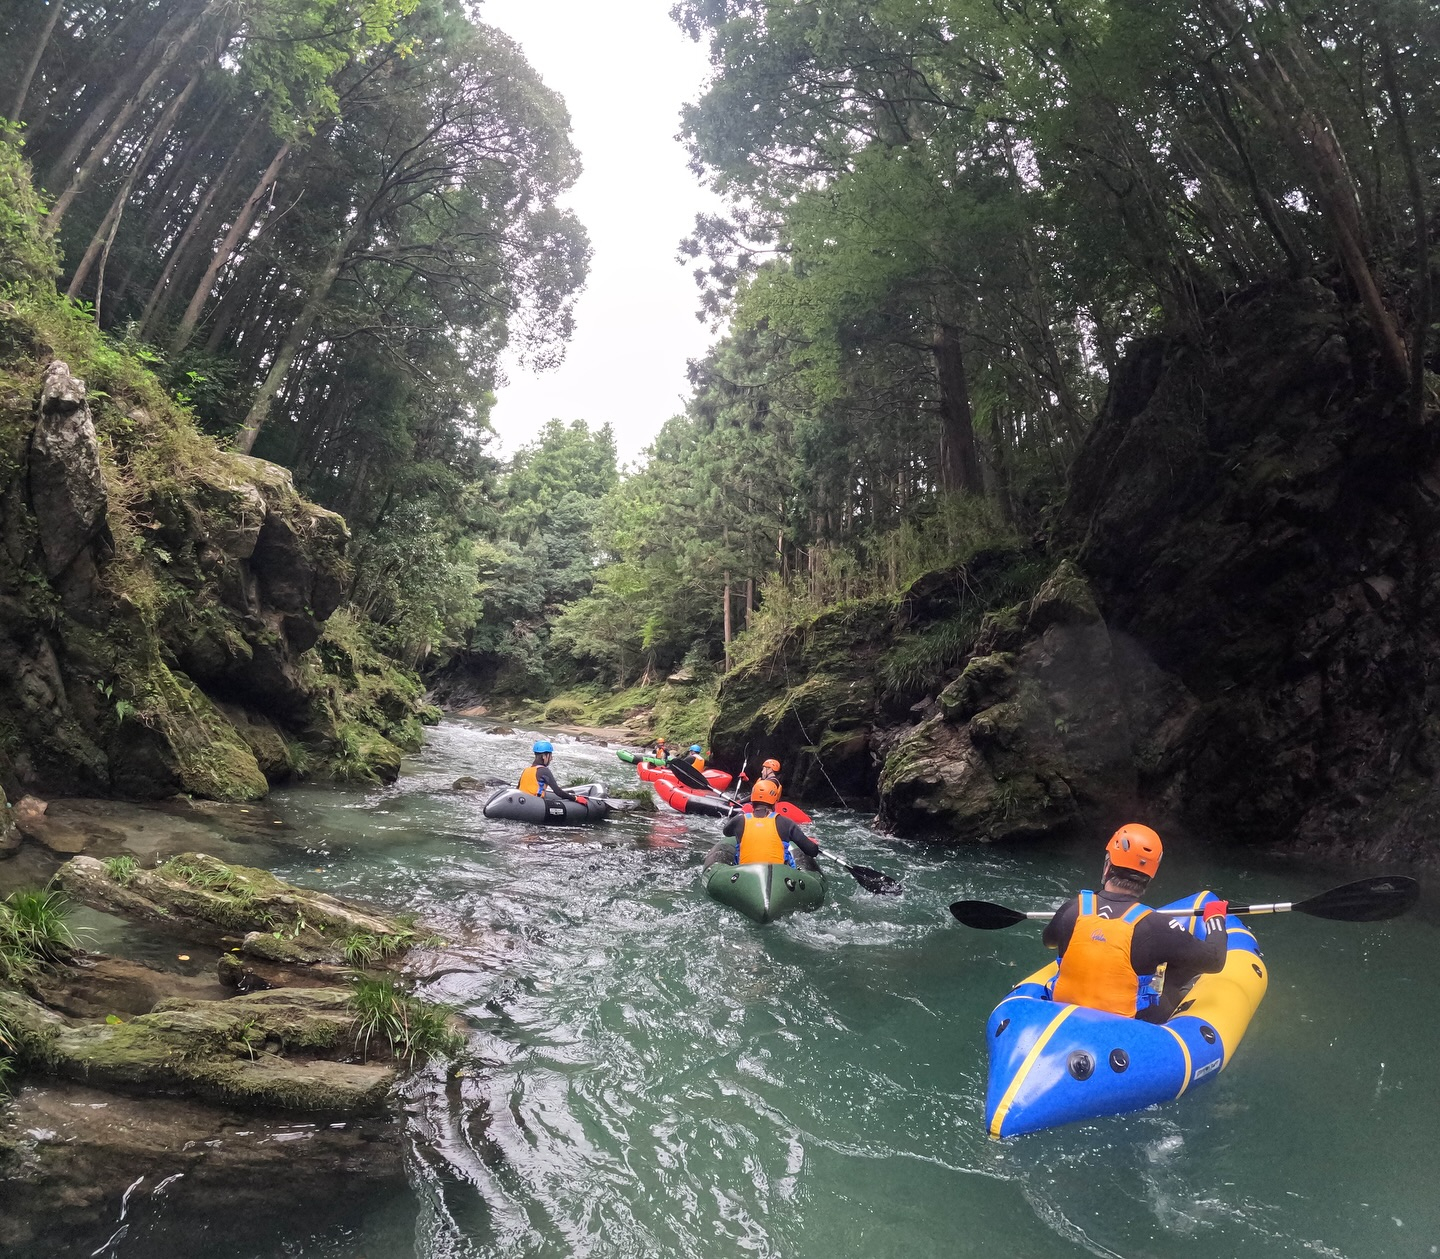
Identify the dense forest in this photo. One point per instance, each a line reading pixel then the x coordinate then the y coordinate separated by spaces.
pixel 323 223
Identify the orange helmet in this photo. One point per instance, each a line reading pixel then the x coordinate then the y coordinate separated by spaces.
pixel 1135 847
pixel 766 791
pixel 772 764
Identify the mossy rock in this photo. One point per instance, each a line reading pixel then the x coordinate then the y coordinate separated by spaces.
pixel 199 898
pixel 265 1049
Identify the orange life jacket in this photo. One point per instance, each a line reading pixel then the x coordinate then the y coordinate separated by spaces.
pixel 530 781
pixel 760 844
pixel 699 763
pixel 1096 971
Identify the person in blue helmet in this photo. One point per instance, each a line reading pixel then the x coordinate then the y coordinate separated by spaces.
pixel 697 758
pixel 539 778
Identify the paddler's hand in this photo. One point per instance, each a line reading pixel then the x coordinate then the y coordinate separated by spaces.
pixel 1215 913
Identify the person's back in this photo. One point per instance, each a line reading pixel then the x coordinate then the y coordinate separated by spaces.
pixel 1111 945
pixel 763 838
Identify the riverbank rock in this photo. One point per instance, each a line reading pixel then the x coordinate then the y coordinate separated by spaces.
pixel 834 691
pixel 268 1049
pixel 95 985
pixel 71 1154
pixel 170 616
pixel 1242 645
pixel 1034 738
pixel 197 897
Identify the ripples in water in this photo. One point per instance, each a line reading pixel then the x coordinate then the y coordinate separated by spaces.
pixel 651 1075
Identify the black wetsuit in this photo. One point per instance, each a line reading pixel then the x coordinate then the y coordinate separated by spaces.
pixel 548 782
pixel 1159 940
pixel 788 831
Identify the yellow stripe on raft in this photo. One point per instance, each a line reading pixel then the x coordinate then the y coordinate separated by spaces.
pixel 1035 1050
pixel 1185 1052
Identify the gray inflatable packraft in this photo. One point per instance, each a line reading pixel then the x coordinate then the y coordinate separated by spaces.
pixel 515 805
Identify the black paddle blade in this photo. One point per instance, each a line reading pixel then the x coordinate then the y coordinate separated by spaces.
pixel 1366 900
pixel 986 915
pixel 688 774
pixel 876 881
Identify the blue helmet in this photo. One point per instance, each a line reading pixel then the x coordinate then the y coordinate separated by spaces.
pixel 695 747
pixel 542 745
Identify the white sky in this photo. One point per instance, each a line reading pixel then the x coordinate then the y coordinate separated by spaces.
pixel 624 69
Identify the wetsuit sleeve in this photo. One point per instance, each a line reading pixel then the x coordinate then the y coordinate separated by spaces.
pixel 792 834
pixel 734 826
pixel 1059 928
pixel 1163 939
pixel 547 779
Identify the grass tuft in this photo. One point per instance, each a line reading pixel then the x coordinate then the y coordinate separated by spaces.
pixel 33 932
pixel 121 870
pixel 413 1028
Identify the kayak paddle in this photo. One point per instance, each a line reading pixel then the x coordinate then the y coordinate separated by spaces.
pixel 1365 900
pixel 687 774
pixel 871 879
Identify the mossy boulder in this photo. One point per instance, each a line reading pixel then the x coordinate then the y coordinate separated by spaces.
pixel 265 1049
pixel 1026 743
pixel 827 695
pixel 147 576
pixel 199 898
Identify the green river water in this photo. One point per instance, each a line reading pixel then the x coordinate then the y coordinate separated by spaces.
pixel 654 1076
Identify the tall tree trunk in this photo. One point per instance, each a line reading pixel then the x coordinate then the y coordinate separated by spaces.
pixel 102 147
pixel 299 330
pixel 227 247
pixel 728 625
pixel 1310 136
pixel 56 7
pixel 166 43
pixel 105 233
pixel 959 460
pixel 1420 316
pixel 155 302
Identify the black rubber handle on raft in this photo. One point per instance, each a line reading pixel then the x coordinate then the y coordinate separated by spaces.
pixel 1366 900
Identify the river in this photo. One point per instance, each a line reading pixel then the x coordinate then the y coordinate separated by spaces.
pixel 652 1075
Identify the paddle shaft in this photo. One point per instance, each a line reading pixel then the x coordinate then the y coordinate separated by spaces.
pixel 1274 907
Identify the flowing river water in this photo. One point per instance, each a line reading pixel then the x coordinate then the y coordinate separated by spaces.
pixel 652 1075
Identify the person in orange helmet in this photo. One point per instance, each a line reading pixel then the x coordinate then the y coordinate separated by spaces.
pixel 1111 946
pixel 764 837
pixel 770 770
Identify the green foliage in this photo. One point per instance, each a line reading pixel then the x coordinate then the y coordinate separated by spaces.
pixel 364 948
pixel 412 1028
pixel 27 259
pixel 33 932
pixel 122 870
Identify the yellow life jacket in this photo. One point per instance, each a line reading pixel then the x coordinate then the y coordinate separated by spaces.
pixel 1096 971
pixel 530 781
pixel 760 844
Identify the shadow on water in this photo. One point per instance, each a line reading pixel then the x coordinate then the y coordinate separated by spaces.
pixel 650 1075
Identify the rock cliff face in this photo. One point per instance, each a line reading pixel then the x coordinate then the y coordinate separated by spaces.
pixel 1244 636
pixel 167 608
pixel 161 601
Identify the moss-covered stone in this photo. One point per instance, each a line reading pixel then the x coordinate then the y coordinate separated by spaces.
pixel 1027 742
pixel 272 1049
pixel 199 898
pixel 145 573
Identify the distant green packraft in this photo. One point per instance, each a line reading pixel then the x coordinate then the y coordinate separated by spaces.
pixel 639 758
